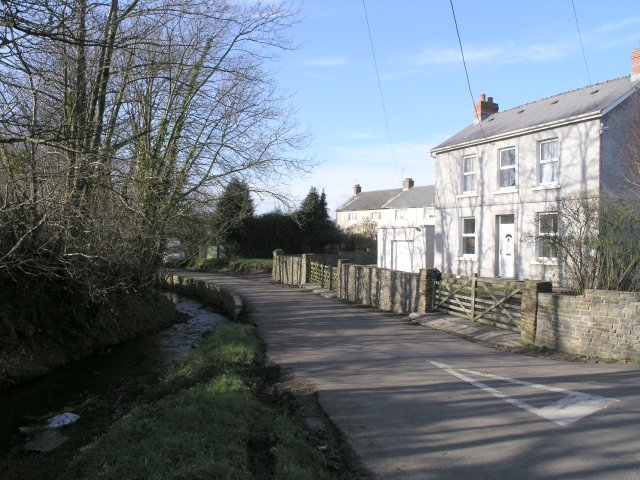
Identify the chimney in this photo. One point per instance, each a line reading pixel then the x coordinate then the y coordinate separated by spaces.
pixel 407 184
pixel 357 189
pixel 484 108
pixel 635 65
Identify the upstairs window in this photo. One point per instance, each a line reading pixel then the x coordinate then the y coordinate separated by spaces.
pixel 468 236
pixel 548 163
pixel 353 216
pixel 469 174
pixel 429 212
pixel 547 233
pixel 376 215
pixel 401 214
pixel 507 168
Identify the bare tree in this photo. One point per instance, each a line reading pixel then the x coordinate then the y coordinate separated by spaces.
pixel 595 239
pixel 116 116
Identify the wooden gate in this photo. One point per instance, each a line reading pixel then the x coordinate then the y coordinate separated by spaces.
pixel 485 300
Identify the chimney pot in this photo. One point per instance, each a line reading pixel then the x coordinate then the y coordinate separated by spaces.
pixel 357 189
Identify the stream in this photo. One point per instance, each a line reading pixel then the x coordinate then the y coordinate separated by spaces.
pixel 133 364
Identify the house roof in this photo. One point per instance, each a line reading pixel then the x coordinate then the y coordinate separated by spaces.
pixel 575 105
pixel 394 198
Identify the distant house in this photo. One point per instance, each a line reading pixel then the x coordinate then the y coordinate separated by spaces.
pixel 496 178
pixel 403 219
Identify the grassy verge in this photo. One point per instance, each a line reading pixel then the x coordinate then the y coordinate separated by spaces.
pixel 243 265
pixel 202 421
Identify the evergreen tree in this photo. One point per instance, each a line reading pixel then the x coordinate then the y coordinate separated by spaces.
pixel 313 216
pixel 233 216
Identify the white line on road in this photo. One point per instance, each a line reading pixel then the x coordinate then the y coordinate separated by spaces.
pixel 571 408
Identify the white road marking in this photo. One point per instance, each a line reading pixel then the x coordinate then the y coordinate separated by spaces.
pixel 571 408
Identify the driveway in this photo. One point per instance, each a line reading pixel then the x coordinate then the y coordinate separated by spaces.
pixel 417 403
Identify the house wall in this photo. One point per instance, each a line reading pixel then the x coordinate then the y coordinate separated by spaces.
pixel 389 218
pixel 405 248
pixel 579 148
pixel 620 153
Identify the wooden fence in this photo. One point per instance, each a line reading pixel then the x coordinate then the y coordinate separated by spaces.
pixel 324 275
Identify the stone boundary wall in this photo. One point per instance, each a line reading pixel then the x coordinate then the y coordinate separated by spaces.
pixel 389 290
pixel 598 323
pixel 230 303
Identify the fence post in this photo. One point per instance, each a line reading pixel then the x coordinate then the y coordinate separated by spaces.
pixel 276 272
pixel 343 281
pixel 529 312
pixel 306 267
pixel 474 281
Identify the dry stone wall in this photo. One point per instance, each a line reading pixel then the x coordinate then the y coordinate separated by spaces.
pixel 599 323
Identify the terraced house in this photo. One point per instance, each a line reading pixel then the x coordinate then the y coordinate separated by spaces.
pixel 402 220
pixel 496 179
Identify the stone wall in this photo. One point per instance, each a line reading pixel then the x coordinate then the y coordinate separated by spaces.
pixel 385 289
pixel 599 323
pixel 228 302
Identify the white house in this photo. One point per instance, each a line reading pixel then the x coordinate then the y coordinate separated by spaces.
pixel 496 179
pixel 403 218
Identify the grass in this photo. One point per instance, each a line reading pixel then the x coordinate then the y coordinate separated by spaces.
pixel 202 421
pixel 233 265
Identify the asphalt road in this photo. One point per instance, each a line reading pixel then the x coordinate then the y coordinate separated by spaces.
pixel 416 403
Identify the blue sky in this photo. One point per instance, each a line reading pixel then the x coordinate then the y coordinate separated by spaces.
pixel 516 52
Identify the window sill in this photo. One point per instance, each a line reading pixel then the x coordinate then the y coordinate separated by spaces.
pixel 467 258
pixel 545 261
pixel 467 195
pixel 502 191
pixel 548 186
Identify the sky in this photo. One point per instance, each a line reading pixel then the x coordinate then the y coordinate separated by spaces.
pixel 515 52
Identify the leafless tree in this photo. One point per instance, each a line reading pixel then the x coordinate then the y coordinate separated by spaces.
pixel 116 116
pixel 596 242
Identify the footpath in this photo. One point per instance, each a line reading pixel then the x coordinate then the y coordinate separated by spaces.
pixel 404 398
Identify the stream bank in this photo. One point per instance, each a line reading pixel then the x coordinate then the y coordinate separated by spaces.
pixel 38 344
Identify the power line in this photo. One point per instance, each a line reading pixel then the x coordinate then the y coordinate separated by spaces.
pixel 464 62
pixel 584 56
pixel 384 108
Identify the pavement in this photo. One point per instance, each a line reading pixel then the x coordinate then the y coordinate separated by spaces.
pixel 485 334
pixel 421 403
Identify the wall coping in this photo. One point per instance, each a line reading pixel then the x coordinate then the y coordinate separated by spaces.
pixel 234 305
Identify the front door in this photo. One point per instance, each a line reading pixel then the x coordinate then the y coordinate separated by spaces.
pixel 506 251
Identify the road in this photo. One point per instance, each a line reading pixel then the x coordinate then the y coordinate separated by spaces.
pixel 416 403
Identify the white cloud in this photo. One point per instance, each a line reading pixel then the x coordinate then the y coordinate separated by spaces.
pixel 326 62
pixel 506 54
pixel 621 25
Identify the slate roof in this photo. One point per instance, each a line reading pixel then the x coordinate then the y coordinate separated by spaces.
pixel 422 196
pixel 582 102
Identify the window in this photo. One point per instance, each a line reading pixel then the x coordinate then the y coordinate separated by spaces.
pixel 548 162
pixel 353 216
pixel 376 215
pixel 468 236
pixel 507 167
pixel 547 233
pixel 469 174
pixel 401 214
pixel 429 212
